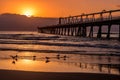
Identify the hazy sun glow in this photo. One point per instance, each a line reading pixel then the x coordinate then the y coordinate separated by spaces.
pixel 56 8
pixel 28 12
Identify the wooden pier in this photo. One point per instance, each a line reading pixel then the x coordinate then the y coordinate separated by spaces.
pixel 80 24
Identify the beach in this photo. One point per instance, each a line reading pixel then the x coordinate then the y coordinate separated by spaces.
pixel 35 56
pixel 59 40
pixel 27 75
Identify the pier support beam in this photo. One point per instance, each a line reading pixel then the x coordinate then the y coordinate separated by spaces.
pixel 108 33
pixel 91 32
pixel 72 31
pixel 55 30
pixel 79 31
pixel 68 31
pixel 59 31
pixel 64 31
pixel 119 32
pixel 99 32
pixel 84 31
pixel 75 31
pixel 60 20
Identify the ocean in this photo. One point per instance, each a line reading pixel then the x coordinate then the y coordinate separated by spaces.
pixel 33 51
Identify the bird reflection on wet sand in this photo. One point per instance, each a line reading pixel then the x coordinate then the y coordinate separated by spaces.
pixel 47 59
pixel 104 67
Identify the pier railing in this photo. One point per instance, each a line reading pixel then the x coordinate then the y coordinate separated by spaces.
pixel 92 17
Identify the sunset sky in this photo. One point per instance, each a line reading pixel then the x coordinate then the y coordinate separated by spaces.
pixel 56 8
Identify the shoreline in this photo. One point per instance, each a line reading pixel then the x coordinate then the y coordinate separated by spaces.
pixel 29 75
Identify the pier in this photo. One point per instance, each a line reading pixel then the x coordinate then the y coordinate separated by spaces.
pixel 86 25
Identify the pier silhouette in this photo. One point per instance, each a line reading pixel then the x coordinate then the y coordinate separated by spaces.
pixel 78 25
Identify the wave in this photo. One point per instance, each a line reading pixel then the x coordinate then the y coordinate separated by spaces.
pixel 56 40
pixel 61 44
pixel 28 37
pixel 65 52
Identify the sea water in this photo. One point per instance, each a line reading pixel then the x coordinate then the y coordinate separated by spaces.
pixel 33 51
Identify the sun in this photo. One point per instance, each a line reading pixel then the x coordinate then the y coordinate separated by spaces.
pixel 28 13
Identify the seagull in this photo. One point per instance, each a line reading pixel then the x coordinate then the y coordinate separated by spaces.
pixel 47 57
pixel 34 57
pixel 14 57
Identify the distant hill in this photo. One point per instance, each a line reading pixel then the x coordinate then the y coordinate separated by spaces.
pixel 15 22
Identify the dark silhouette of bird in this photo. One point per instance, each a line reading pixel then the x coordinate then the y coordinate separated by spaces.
pixel 34 57
pixel 13 62
pixel 58 56
pixel 14 57
pixel 47 58
pixel 47 61
pixel 65 57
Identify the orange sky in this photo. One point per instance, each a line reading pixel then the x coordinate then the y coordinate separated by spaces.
pixel 57 8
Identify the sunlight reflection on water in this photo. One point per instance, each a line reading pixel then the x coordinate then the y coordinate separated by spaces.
pixel 70 63
pixel 40 52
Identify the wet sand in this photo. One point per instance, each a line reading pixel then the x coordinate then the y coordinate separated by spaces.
pixel 27 75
